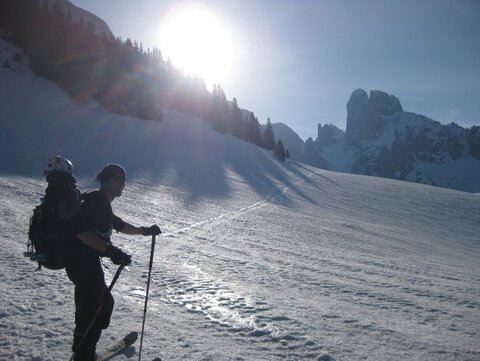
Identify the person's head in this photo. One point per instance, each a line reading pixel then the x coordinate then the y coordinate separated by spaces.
pixel 112 180
pixel 59 170
pixel 59 164
pixel 59 174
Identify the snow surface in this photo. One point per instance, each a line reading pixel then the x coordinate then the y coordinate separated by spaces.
pixel 258 260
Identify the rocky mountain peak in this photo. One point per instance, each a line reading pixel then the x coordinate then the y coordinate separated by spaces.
pixel 382 103
pixel 365 114
pixel 328 134
pixel 381 139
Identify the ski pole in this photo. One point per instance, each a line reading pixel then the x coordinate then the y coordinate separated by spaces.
pixel 146 296
pixel 114 280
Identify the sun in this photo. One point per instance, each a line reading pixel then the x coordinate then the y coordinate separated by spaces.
pixel 197 42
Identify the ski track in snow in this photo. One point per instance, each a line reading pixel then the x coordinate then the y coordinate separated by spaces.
pixel 225 217
pixel 227 311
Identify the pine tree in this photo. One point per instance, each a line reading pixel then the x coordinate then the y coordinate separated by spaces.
pixel 253 131
pixel 269 136
pixel 219 114
pixel 280 151
pixel 287 154
pixel 237 121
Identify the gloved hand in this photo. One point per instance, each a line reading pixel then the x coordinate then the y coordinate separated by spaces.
pixel 117 256
pixel 151 231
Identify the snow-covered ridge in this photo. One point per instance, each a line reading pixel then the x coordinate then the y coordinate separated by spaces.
pixel 38 120
pixel 286 134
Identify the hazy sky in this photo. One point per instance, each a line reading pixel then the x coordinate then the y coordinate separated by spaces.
pixel 298 61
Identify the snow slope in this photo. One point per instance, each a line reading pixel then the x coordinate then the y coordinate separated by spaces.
pixel 258 260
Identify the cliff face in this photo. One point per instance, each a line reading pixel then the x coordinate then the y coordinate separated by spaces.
pixel 98 25
pixel 365 115
pixel 381 139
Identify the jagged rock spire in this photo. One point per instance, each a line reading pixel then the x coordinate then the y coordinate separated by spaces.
pixel 364 114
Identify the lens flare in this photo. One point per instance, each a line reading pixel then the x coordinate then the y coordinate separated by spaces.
pixel 197 42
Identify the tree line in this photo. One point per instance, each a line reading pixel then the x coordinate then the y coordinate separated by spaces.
pixel 119 74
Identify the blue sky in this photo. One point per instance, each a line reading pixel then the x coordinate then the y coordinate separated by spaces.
pixel 299 61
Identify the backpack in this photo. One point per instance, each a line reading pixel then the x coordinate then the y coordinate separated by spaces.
pixel 51 231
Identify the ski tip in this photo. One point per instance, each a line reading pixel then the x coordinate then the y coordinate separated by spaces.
pixel 157 359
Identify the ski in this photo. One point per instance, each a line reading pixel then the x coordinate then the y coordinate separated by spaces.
pixel 121 345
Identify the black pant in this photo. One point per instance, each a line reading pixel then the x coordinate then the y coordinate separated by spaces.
pixel 85 271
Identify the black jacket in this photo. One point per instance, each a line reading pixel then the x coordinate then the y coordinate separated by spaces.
pixel 96 215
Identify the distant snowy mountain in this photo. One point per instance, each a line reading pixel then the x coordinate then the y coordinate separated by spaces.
pixel 383 140
pixel 288 136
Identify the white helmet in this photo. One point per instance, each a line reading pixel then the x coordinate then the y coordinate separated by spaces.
pixel 59 164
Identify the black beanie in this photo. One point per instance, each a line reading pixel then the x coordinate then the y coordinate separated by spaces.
pixel 109 171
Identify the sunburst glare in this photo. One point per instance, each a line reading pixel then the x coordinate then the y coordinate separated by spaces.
pixel 197 42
